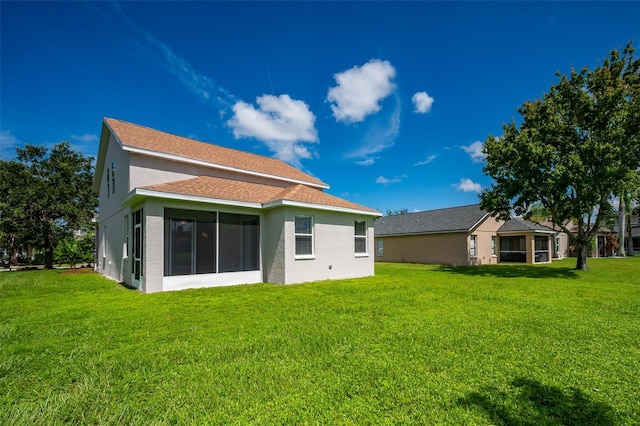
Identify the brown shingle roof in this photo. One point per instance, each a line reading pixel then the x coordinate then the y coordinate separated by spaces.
pixel 135 136
pixel 249 192
pixel 304 194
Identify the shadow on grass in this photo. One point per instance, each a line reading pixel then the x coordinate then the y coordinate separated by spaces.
pixel 511 271
pixel 531 403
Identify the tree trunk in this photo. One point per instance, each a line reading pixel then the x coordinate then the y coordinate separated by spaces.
pixel 581 260
pixel 48 250
pixel 629 237
pixel 621 227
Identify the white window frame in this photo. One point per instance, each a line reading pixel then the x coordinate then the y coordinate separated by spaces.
pixel 312 255
pixel 494 245
pixel 357 237
pixel 473 246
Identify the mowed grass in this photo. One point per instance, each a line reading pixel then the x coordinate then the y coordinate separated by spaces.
pixel 415 344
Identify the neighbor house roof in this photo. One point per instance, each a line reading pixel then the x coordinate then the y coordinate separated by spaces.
pixel 518 224
pixel 453 219
pixel 148 141
pixel 214 189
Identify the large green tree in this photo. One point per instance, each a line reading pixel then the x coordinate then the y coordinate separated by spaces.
pixel 572 149
pixel 46 195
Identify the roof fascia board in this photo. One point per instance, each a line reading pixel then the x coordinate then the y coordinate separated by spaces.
pixel 288 203
pixel 187 160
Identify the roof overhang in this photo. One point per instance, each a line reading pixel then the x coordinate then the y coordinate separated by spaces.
pixel 137 195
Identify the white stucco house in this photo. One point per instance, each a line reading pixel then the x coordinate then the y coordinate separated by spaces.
pixel 176 213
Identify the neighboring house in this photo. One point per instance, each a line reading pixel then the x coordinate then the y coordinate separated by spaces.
pixel 465 235
pixel 176 213
pixel 634 225
pixel 561 240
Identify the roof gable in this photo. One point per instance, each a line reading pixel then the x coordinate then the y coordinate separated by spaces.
pixel 453 219
pixel 152 142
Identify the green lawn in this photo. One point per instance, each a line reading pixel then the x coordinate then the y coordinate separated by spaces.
pixel 527 345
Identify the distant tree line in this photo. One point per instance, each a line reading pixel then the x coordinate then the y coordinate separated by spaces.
pixel 394 212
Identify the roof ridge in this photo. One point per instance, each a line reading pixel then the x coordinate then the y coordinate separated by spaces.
pixel 198 141
pixel 435 210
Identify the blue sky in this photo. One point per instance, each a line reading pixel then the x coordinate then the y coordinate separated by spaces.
pixel 388 103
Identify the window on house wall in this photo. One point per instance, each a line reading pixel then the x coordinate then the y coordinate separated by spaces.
pixel 108 183
pixel 360 229
pixel 473 249
pixel 380 248
pixel 636 243
pixel 113 177
pixel 304 235
pixel 557 246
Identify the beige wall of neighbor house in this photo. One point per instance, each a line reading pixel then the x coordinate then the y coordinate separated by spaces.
pixel 445 249
pixel 484 231
pixel 561 249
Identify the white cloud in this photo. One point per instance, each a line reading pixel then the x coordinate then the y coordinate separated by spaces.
pixel 427 161
pixel 367 162
pixel 475 151
pixel 360 89
pixel 85 138
pixel 386 181
pixel 422 102
pixel 467 185
pixel 280 122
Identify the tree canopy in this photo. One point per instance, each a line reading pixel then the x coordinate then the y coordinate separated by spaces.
pixel 573 149
pixel 46 196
